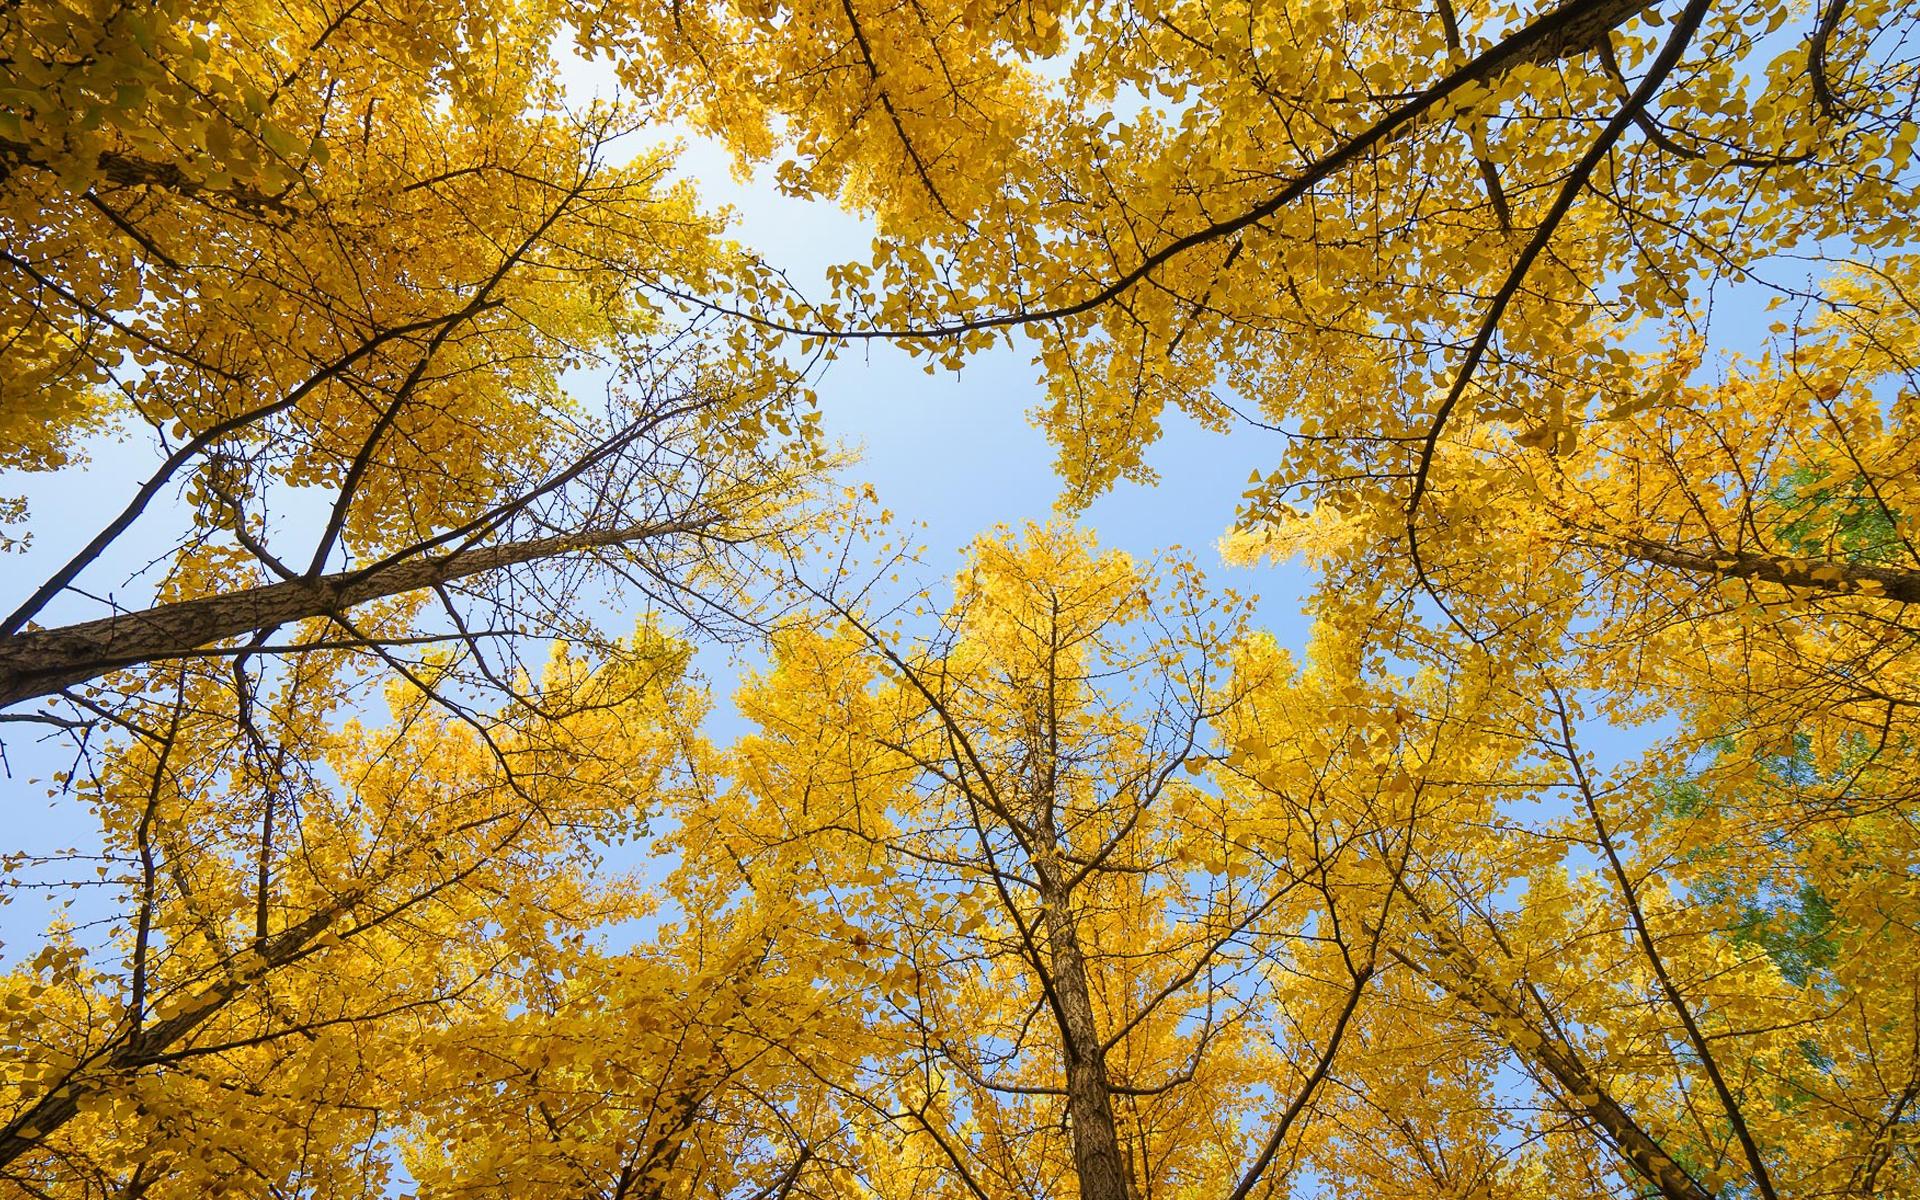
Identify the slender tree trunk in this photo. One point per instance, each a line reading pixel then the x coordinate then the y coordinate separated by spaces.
pixel 1461 974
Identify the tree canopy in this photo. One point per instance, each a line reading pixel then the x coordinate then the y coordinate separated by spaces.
pixel 1575 853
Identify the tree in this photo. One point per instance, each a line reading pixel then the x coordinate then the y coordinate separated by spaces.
pixel 1096 967
pixel 1688 965
pixel 1426 279
pixel 1088 887
pixel 705 1061
pixel 338 269
pixel 1377 230
pixel 1124 906
pixel 1422 246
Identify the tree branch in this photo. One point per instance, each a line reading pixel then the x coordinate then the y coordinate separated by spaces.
pixel 41 662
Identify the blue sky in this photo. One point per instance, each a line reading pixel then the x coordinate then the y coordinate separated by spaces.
pixel 951 455
pixel 957 451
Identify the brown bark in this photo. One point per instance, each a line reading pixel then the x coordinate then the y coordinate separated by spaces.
pixel 1097 1159
pixel 645 1176
pixel 130 170
pixel 41 662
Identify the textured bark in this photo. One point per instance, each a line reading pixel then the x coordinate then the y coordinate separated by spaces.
pixel 646 1175
pixel 1097 1160
pixel 41 662
pixel 1577 27
pixel 130 170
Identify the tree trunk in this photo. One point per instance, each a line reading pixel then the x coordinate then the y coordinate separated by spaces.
pixel 1097 1159
pixel 1460 974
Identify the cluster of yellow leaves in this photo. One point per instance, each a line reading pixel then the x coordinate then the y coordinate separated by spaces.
pixel 1309 207
pixel 302 925
pixel 346 249
pixel 1086 850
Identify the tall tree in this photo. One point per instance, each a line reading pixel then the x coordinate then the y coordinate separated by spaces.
pixel 1095 973
pixel 1079 888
